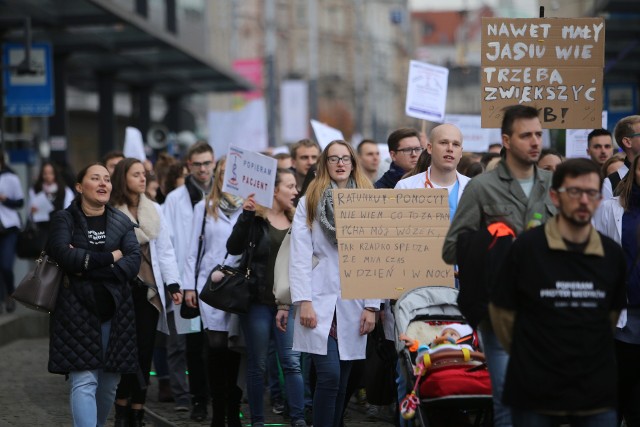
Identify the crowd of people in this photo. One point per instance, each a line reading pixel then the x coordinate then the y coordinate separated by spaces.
pixel 138 241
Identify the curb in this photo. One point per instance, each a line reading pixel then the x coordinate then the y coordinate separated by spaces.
pixel 157 420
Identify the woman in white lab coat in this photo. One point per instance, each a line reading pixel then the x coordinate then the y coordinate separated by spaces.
pixel 220 212
pixel 334 331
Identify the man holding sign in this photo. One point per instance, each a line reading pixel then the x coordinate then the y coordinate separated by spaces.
pixel 515 193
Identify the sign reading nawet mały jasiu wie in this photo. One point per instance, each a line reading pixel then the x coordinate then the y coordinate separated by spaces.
pixel 553 64
pixel 390 241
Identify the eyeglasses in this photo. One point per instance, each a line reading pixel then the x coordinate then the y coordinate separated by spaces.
pixel 198 165
pixel 633 135
pixel 333 160
pixel 414 150
pixel 576 193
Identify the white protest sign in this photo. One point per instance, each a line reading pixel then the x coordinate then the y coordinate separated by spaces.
pixel 426 91
pixel 249 172
pixel 576 140
pixel 325 134
pixel 133 144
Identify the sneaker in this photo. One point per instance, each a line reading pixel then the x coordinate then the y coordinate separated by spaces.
pixel 199 411
pixel 372 412
pixel 299 423
pixel 277 406
pixel 181 407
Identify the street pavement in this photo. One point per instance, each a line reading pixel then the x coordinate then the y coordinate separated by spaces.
pixel 30 396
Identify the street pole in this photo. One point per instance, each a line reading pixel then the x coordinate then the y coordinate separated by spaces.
pixel 312 17
pixel 270 53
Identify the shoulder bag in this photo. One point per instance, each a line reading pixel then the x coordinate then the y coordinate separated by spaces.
pixel 187 312
pixel 38 290
pixel 281 289
pixel 31 241
pixel 233 293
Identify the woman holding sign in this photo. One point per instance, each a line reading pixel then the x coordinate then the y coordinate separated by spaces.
pixel 267 229
pixel 334 331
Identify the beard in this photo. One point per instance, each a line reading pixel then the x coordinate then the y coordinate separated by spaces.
pixel 576 221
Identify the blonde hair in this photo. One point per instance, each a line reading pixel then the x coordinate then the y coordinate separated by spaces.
pixel 213 199
pixel 323 179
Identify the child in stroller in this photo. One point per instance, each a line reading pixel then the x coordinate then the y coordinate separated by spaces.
pixel 442 360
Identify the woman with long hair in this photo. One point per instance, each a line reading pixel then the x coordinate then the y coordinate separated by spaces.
pixel 156 281
pixel 267 227
pixel 619 218
pixel 219 211
pixel 11 199
pixel 93 325
pixel 333 330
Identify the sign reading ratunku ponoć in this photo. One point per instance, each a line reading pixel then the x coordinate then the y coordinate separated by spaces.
pixel 553 64
pixel 390 241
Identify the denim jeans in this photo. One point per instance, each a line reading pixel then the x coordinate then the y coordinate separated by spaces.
pixel 497 361
pixel 8 242
pixel 331 385
pixel 523 418
pixel 273 373
pixel 93 392
pixel 258 325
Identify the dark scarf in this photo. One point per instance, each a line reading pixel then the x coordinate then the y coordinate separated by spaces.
pixel 229 204
pixel 327 218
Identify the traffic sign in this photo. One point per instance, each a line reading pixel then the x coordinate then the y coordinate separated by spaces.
pixel 28 91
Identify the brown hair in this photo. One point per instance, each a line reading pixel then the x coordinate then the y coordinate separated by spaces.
pixel 626 184
pixel 213 199
pixel 323 179
pixel 120 194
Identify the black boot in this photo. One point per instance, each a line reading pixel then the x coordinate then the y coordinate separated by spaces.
pixel 217 385
pixel 136 418
pixel 122 416
pixel 233 407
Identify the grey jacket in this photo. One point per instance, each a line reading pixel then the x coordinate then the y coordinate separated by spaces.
pixel 496 196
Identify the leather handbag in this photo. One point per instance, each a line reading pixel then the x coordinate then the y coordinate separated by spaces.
pixel 233 293
pixel 38 290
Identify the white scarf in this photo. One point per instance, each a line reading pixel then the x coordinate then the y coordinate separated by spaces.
pixel 148 220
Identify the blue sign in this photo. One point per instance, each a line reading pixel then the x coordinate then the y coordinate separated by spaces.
pixel 28 92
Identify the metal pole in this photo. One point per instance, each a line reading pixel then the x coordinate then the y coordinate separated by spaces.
pixel 312 18
pixel 358 77
pixel 270 52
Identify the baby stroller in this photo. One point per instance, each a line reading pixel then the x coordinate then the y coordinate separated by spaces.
pixel 454 389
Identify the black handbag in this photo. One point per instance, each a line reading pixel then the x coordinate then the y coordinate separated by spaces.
pixel 233 293
pixel 31 241
pixel 187 312
pixel 38 290
pixel 380 368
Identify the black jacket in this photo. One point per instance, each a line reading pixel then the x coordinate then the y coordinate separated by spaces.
pixel 250 225
pixel 390 177
pixel 75 330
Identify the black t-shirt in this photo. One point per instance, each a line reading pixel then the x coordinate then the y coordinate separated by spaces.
pixel 562 351
pixel 97 227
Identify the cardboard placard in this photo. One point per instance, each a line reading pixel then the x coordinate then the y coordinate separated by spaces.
pixel 390 241
pixel 553 64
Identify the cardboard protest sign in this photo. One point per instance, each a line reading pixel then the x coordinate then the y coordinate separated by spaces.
pixel 248 172
pixel 426 91
pixel 390 241
pixel 553 64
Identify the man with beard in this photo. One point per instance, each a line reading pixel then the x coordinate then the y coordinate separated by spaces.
pixel 554 309
pixel 516 193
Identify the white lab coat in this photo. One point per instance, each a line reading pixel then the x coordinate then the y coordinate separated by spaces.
pixel 164 265
pixel 608 219
pixel 179 214
pixel 214 249
pixel 11 188
pixel 417 181
pixel 321 286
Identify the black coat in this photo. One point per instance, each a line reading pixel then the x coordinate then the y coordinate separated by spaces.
pixel 249 225
pixel 75 335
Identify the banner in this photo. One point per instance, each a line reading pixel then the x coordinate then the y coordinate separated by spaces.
pixel 553 64
pixel 426 91
pixel 247 172
pixel 390 241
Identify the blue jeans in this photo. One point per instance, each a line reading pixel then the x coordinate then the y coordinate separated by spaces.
pixel 8 242
pixel 524 418
pixel 93 392
pixel 273 373
pixel 497 361
pixel 331 386
pixel 258 325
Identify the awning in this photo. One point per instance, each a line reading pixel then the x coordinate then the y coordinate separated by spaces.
pixel 101 36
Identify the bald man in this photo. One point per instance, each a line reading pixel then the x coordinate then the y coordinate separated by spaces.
pixel 445 147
